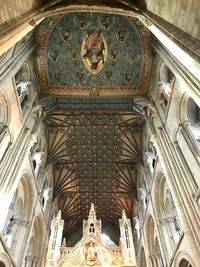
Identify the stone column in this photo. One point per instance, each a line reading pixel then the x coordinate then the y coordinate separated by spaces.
pixel 179 185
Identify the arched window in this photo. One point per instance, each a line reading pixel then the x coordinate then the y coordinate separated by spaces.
pixel 169 223
pixel 166 82
pixel 23 84
pixel 155 256
pixel 34 250
pixel 91 229
pixel 193 114
pixel 15 229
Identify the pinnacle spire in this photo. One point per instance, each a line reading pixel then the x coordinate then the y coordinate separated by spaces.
pixel 92 214
pixel 124 214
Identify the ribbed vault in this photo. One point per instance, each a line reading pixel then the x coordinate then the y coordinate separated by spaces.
pixel 95 155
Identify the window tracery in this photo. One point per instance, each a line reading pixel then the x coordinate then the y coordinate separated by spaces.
pixel 126 235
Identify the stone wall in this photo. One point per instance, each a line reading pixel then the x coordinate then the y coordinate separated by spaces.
pixel 183 14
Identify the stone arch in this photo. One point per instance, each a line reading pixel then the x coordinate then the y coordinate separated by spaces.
pixel 165 74
pixel 24 73
pixel 23 85
pixel 166 80
pixel 187 109
pixel 150 234
pixel 183 259
pixel 16 228
pixel 38 233
pixel 5 260
pixel 182 108
pixel 4 112
pixel 34 250
pixel 29 196
pixel 154 250
pixel 189 118
pixel 193 117
pixel 167 214
pixel 5 137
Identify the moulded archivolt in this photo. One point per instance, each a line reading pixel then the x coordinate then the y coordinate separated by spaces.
pixel 5 137
pixel 183 259
pixel 4 111
pixel 5 260
pixel 182 108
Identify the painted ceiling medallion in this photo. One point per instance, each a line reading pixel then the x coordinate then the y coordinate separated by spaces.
pixel 94 51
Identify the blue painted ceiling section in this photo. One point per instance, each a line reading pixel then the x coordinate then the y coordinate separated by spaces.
pixel 70 103
pixel 64 54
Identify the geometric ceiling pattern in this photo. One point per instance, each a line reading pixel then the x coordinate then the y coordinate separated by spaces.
pixel 67 40
pixel 94 72
pixel 94 103
pixel 79 53
pixel 95 155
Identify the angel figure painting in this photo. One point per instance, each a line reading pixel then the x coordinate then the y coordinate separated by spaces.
pixel 94 51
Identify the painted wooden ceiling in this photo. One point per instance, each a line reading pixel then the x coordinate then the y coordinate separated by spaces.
pixel 94 72
pixel 95 155
pixel 67 52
